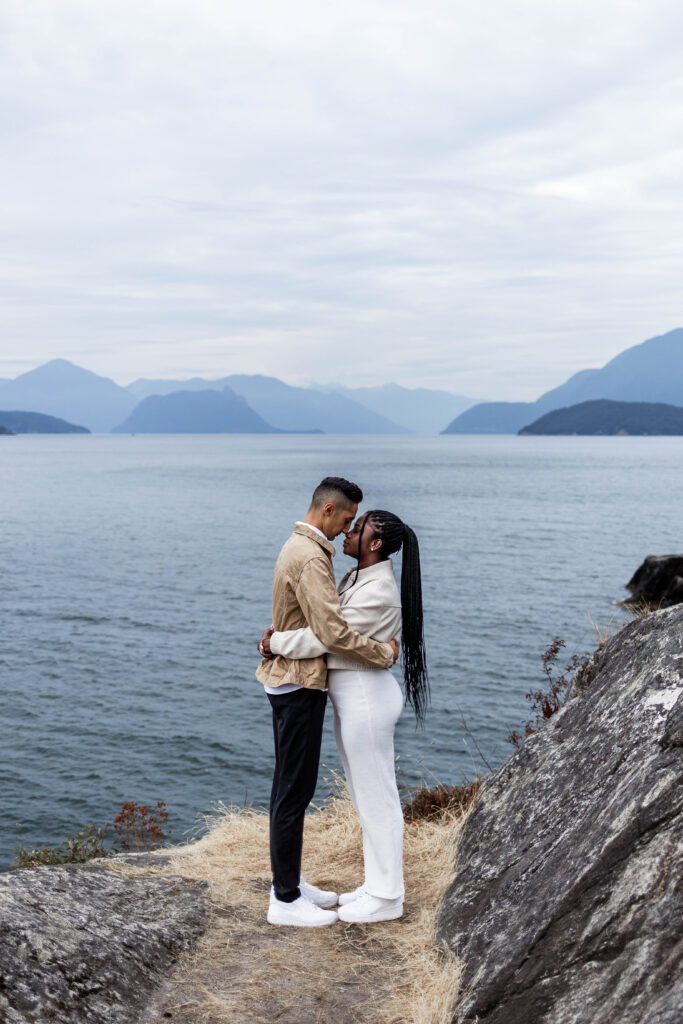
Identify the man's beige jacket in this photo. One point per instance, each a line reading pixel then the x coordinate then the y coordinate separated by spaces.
pixel 304 594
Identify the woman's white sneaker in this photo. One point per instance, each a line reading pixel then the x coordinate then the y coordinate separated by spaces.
pixel 367 909
pixel 300 913
pixel 349 897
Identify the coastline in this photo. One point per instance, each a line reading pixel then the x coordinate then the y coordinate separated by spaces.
pixel 553 896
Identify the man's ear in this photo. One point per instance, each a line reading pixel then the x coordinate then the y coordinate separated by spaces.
pixel 328 509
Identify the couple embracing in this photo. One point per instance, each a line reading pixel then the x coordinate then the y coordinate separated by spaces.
pixel 341 642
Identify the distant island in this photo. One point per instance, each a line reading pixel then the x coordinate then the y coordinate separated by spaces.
pixel 6 430
pixel 604 417
pixel 195 412
pixel 19 422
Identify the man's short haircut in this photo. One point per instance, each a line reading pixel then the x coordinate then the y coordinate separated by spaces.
pixel 337 489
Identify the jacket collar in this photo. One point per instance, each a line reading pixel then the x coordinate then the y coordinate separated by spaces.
pixel 306 531
pixel 380 570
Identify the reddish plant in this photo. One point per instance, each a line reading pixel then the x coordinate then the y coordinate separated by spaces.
pixel 141 828
pixel 546 703
pixel 433 804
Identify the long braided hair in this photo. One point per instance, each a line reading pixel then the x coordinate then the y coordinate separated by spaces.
pixel 394 534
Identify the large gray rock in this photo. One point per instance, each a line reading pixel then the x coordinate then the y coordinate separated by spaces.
pixel 82 945
pixel 566 906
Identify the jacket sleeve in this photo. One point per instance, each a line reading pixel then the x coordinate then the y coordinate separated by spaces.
pixel 370 617
pixel 319 601
pixel 297 644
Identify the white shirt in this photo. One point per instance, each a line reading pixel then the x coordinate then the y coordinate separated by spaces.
pixel 310 527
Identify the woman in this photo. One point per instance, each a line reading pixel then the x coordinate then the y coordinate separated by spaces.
pixel 367 702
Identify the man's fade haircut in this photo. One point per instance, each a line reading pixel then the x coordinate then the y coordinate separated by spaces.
pixel 337 489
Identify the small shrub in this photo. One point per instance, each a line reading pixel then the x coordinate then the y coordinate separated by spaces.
pixel 137 828
pixel 547 702
pixel 433 804
pixel 85 845
pixel 141 828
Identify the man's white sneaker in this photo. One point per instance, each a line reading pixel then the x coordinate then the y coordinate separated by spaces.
pixel 299 914
pixel 321 897
pixel 349 897
pixel 369 908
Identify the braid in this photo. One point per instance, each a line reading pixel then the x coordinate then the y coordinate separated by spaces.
pixel 394 534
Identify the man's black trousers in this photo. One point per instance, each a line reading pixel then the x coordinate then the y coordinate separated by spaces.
pixel 297 730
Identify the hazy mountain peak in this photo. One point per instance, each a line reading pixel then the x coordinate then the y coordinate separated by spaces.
pixel 420 410
pixel 62 369
pixel 651 371
pixel 63 389
pixel 210 411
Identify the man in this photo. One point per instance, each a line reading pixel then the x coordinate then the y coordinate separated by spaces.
pixel 304 594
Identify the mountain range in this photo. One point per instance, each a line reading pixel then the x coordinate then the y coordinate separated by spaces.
pixel 649 372
pixel 286 407
pixel 421 410
pixel 61 388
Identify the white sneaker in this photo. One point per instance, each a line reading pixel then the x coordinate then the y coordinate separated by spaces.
pixel 369 908
pixel 321 897
pixel 299 914
pixel 349 897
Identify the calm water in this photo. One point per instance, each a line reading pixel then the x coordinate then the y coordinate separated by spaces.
pixel 136 576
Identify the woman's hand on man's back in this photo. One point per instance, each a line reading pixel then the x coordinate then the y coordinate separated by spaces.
pixel 264 643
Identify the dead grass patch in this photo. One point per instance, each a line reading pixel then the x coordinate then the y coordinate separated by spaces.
pixel 432 803
pixel 244 970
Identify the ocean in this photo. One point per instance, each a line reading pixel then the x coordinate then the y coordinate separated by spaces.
pixel 136 578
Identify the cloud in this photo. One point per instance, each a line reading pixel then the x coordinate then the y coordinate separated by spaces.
pixel 483 197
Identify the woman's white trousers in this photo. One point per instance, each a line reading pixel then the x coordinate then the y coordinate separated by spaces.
pixel 367 706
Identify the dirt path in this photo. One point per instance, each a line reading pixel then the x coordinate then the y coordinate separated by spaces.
pixel 244 971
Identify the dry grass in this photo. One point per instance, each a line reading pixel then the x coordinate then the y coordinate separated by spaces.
pixel 435 802
pixel 637 609
pixel 244 970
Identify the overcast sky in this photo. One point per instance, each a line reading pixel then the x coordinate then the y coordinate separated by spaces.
pixel 480 196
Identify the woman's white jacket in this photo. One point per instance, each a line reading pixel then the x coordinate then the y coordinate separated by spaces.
pixel 371 604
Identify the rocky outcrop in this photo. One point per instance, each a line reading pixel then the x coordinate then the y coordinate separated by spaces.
pixel 80 944
pixel 566 905
pixel 658 581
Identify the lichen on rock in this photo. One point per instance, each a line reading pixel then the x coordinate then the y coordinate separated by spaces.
pixel 566 905
pixel 79 944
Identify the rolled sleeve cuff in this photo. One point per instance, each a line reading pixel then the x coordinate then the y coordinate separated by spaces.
pixel 274 644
